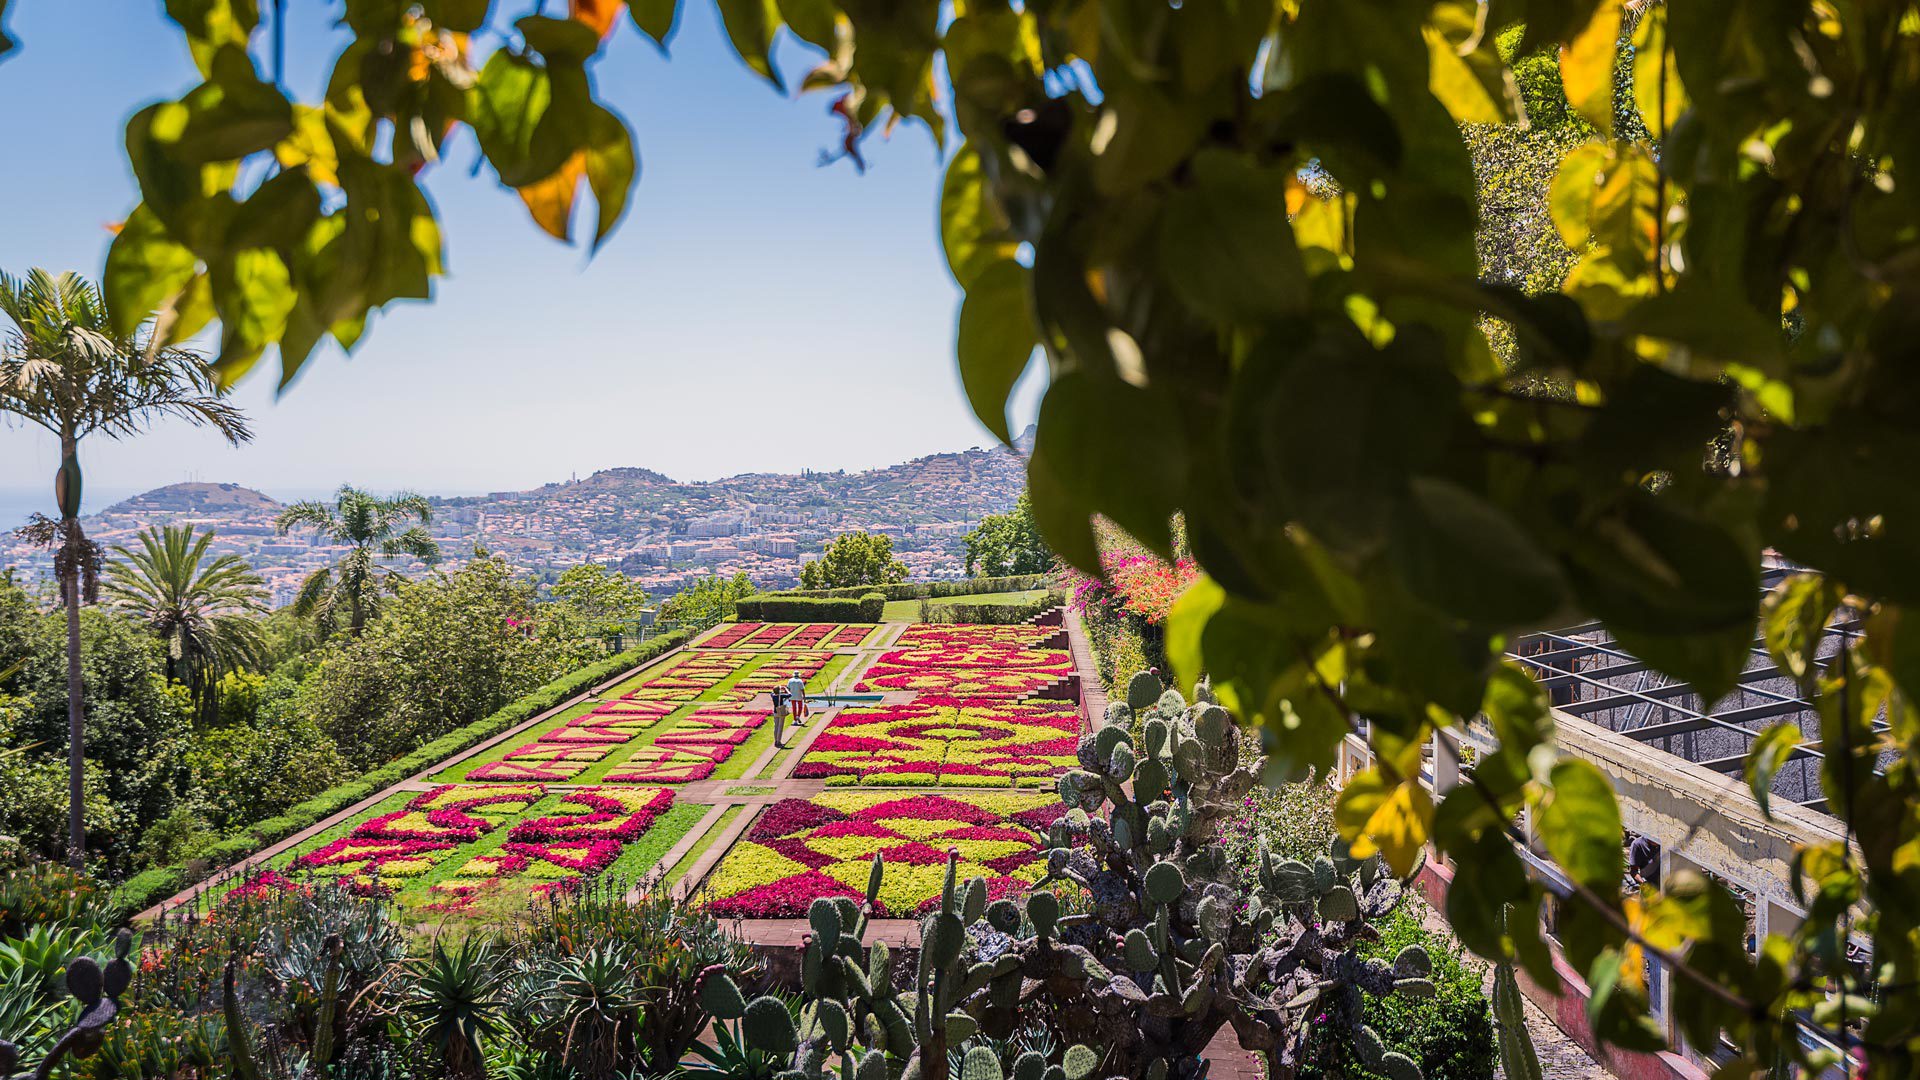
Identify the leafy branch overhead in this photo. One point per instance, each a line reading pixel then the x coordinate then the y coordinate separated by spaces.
pixel 1246 235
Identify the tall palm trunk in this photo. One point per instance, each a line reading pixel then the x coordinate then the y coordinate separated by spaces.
pixel 76 724
pixel 76 706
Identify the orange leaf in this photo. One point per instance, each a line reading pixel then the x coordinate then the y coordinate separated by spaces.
pixel 599 14
pixel 550 201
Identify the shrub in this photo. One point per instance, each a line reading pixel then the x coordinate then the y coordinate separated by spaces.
pixel 923 590
pixel 1450 1034
pixel 786 607
pixel 152 886
pixel 996 614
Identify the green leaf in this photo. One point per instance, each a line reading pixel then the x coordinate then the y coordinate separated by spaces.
pixel 1092 433
pixel 1466 556
pixel 974 230
pixel 1586 66
pixel 1655 566
pixel 561 42
pixel 233 114
pixel 464 16
pixel 812 21
pixel 211 24
pixel 1225 245
pixel 1794 617
pixel 996 340
pixel 253 292
pixel 611 166
pixel 1657 90
pixel 507 107
pixel 278 214
pixel 656 18
pixel 1580 823
pixel 1474 85
pixel 1654 419
pixel 750 26
pixel 146 268
pixel 1774 747
pixel 1570 196
pixel 1187 624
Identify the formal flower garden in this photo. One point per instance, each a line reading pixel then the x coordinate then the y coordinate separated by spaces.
pixel 946 741
pixel 757 635
pixel 824 846
pixel 945 707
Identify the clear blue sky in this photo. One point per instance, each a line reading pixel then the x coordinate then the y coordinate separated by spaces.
pixel 754 312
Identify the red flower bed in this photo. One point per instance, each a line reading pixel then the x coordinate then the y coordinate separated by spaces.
pixel 731 634
pixel 849 636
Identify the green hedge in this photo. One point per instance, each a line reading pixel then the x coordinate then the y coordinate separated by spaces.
pixel 925 590
pixel 149 887
pixel 999 614
pixel 783 607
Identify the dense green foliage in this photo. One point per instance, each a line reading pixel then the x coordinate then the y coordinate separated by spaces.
pixel 202 609
pixel 1250 230
pixel 855 558
pixel 779 607
pixel 990 612
pixel 1449 1034
pixel 707 601
pixel 166 781
pixel 1007 544
pixel 349 593
pixel 608 602
pixel 923 590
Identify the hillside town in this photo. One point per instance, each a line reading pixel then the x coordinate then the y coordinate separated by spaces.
pixel 665 534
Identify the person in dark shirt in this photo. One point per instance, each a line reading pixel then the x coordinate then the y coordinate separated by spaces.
pixel 1643 858
pixel 779 714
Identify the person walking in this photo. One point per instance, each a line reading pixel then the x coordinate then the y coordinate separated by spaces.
pixel 797 692
pixel 779 716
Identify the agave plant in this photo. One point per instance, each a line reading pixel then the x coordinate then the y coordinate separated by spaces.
pixel 455 995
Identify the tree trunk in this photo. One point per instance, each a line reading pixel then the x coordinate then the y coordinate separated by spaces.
pixel 76 723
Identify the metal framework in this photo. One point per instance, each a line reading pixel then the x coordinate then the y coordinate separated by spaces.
pixel 1588 674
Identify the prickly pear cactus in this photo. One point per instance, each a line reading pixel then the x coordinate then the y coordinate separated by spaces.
pixel 1163 951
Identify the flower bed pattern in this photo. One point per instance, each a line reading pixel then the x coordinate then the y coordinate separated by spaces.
pixel 731 634
pixel 769 635
pixel 692 677
pixel 775 672
pixel 568 750
pixel 559 850
pixel 805 848
pixel 410 841
pixel 671 764
pixel 851 635
pixel 959 665
pixel 975 636
pixel 810 635
pixel 945 741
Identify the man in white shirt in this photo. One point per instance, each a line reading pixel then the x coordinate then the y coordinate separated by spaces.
pixel 797 694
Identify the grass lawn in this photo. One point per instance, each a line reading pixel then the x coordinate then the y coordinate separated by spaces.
pixel 713 835
pixel 909 610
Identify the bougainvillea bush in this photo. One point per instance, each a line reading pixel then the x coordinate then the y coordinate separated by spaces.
pixel 946 741
pixel 806 848
pixel 381 853
pixel 558 850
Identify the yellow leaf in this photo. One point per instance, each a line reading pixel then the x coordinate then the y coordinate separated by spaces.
pixel 1586 66
pixel 1392 821
pixel 311 144
pixel 550 201
pixel 1657 91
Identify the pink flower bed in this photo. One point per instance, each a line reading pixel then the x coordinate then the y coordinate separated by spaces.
pixel 771 634
pixel 803 849
pixel 974 635
pixel 559 851
pixel 849 636
pixel 408 842
pixel 731 634
pixel 947 741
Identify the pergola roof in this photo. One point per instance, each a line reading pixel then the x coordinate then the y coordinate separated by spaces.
pixel 1588 674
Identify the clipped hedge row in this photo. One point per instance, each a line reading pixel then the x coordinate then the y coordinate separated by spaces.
pixel 785 607
pixel 997 614
pixel 149 887
pixel 927 590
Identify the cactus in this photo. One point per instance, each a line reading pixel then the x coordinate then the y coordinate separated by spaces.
pixel 1517 1055
pixel 1166 949
pixel 98 992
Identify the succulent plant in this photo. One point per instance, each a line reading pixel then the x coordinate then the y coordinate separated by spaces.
pixel 98 991
pixel 1167 950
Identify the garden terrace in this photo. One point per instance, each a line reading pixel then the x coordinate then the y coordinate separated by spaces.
pixel 671 769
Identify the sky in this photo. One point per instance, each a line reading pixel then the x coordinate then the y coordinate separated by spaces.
pixel 755 311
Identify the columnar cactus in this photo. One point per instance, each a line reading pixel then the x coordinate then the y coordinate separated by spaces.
pixel 1166 951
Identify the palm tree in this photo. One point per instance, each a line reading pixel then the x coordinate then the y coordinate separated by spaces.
pixel 65 368
pixel 371 526
pixel 202 608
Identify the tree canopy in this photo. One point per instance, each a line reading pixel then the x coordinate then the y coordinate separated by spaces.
pixel 855 558
pixel 1243 233
pixel 1009 543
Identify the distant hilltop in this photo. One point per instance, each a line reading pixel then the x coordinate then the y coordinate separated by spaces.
pixel 197 498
